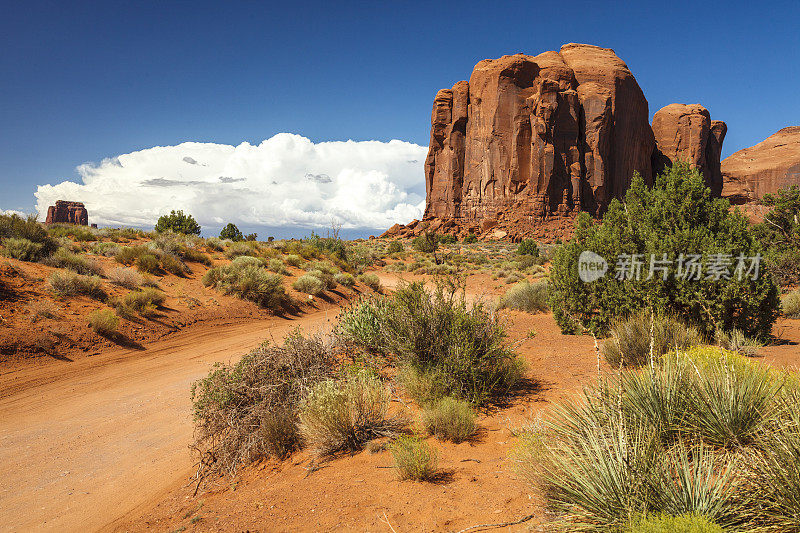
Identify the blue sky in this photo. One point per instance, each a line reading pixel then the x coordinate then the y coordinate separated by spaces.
pixel 84 82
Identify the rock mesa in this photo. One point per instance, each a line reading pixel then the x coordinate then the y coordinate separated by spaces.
pixel 67 213
pixel 765 168
pixel 530 141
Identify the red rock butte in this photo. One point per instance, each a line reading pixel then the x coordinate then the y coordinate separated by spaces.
pixel 67 213
pixel 530 141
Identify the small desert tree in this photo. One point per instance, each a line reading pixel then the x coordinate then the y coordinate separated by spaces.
pixel 178 222
pixel 663 226
pixel 231 232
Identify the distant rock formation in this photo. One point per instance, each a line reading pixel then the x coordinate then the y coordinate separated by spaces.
pixel 530 141
pixel 67 213
pixel 765 168
pixel 686 132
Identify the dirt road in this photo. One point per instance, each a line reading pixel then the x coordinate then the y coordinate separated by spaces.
pixel 85 442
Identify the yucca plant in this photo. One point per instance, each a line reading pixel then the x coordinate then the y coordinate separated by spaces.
pixel 730 403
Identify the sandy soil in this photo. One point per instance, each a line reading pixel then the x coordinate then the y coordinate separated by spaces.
pixel 84 442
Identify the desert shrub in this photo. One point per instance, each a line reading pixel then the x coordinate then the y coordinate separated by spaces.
pixel 277 266
pixel 77 263
pixel 362 322
pixel 195 256
pixel 438 337
pixel 736 341
pixel 16 227
pixel 470 239
pixel 343 415
pixel 214 244
pixel 309 284
pixel 371 280
pixel 515 277
pixel 78 233
pixel 790 304
pixel 178 222
pixel 396 267
pixel 126 277
pixel 331 245
pixel 688 523
pixel 294 260
pixel 249 282
pixel 414 458
pixel 172 264
pixel 249 410
pixel 42 309
pixel 394 247
pixel 775 472
pixel 231 233
pixel 104 322
pixel 732 402
pixel 344 279
pixel 630 340
pixel 67 283
pixel 144 302
pixel 450 419
pixel 240 249
pixel 128 255
pixel 779 234
pixel 447 238
pixel 22 249
pixel 528 297
pixel 676 216
pixel 107 249
pixel 703 432
pixel 427 243
pixel 148 263
pixel 528 247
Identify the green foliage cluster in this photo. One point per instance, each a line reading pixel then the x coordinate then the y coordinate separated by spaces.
pixel 231 233
pixel 450 419
pixel 528 247
pixel 178 222
pixel 779 234
pixel 67 283
pixel 414 458
pixel 63 258
pixel 427 243
pixel 526 296
pixel 676 216
pixel 25 238
pixel 446 346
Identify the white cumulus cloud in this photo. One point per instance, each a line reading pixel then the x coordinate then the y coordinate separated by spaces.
pixel 286 181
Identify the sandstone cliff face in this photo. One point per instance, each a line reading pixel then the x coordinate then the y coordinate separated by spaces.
pixel 767 167
pixel 67 213
pixel 687 133
pixel 535 136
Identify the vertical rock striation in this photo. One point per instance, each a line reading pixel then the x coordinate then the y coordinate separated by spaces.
pixel 67 213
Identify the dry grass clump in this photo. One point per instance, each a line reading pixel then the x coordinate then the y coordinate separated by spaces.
pixel 343 415
pixel 736 341
pixel 528 297
pixel 106 249
pixel 144 302
pixel 245 278
pixel 39 309
pixel 703 432
pixel 126 277
pixel 294 260
pixel 67 283
pixel 239 249
pixel 277 266
pixel 309 284
pixel 629 342
pixel 371 280
pixel 414 458
pixel 22 249
pixel 250 410
pixel 104 322
pixel 63 258
pixel 450 419
pixel 344 279
pixel 790 304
